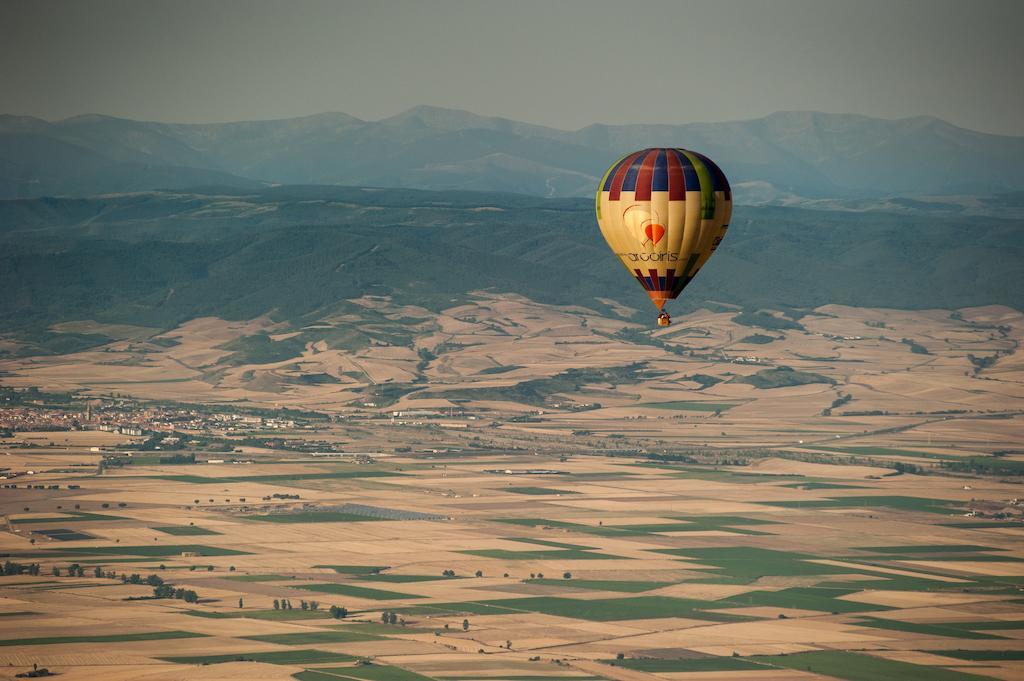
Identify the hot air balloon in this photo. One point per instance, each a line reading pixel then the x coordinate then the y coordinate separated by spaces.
pixel 663 212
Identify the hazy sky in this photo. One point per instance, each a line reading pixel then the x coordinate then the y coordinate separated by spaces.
pixel 565 64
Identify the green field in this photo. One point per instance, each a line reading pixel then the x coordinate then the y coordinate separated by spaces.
pixel 99 638
pixel 499 369
pixel 549 543
pixel 929 548
pixel 402 579
pixel 964 630
pixel 821 485
pixel 313 637
pixel 891 582
pixel 147 550
pixel 354 569
pixel 64 534
pixel 701 523
pixel 687 524
pixel 71 517
pixel 276 657
pixel 899 503
pixel 612 609
pixel 804 598
pixel 119 560
pixel 717 474
pixel 980 655
pixel 312 517
pixel 742 565
pixel 856 667
pixel 373 672
pixel 356 591
pixel 695 664
pixel 184 530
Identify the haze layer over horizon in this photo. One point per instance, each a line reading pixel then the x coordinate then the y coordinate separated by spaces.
pixel 566 65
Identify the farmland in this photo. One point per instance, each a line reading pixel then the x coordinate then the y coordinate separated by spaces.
pixel 598 508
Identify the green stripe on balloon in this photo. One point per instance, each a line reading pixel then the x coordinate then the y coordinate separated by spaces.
pixel 707 186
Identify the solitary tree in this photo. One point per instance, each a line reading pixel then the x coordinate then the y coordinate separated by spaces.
pixel 241 604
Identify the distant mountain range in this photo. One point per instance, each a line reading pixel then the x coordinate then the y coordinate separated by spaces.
pixel 778 158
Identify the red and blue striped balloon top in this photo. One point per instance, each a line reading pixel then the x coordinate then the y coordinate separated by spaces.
pixel 662 169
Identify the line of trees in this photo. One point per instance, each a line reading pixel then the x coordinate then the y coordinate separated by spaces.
pixel 392 618
pixel 161 589
pixel 13 568
pixel 169 591
pixel 135 578
pixel 984 465
pixel 285 604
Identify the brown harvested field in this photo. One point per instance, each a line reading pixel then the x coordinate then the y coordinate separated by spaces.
pixel 681 512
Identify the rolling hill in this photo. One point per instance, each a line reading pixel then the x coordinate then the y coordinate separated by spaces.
pixel 158 259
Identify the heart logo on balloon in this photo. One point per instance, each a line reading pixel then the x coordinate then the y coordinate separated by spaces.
pixel 654 232
pixel 645 224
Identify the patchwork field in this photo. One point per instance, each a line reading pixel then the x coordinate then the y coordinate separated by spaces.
pixel 632 569
pixel 521 492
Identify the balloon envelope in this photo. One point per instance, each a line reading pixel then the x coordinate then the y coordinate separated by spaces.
pixel 663 212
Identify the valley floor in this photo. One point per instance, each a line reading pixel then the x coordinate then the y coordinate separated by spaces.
pixel 520 492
